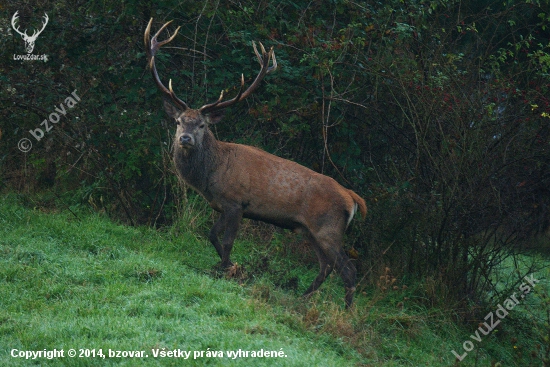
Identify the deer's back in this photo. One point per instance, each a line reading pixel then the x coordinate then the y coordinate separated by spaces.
pixel 275 190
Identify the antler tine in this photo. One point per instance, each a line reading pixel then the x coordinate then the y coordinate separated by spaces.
pixel 152 46
pixel 238 98
pixel 146 39
pixel 210 106
pixel 274 67
pixel 264 60
pixel 216 105
pixel 262 57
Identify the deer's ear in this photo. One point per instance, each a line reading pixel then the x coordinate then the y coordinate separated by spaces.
pixel 172 111
pixel 214 117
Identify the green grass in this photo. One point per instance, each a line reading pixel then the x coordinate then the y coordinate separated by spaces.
pixel 87 283
pixel 93 284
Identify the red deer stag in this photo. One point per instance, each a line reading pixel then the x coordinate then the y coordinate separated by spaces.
pixel 243 181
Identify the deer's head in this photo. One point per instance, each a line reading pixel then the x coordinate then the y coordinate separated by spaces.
pixel 193 123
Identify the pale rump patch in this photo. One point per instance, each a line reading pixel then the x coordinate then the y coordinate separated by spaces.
pixel 352 214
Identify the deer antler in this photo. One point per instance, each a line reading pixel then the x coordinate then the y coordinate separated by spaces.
pixel 264 60
pixel 152 46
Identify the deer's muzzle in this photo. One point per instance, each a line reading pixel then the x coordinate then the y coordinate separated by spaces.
pixel 187 140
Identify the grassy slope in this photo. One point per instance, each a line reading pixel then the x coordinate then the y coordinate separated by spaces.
pixel 89 283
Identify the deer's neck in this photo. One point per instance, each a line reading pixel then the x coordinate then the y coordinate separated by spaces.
pixel 196 165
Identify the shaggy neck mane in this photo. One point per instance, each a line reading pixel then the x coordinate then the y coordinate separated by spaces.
pixel 196 165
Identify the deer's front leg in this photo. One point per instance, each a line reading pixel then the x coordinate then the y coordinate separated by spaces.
pixel 214 232
pixel 233 218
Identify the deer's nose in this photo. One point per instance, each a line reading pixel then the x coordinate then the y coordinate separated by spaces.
pixel 186 139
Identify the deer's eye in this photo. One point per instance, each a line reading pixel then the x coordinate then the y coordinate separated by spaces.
pixel 202 126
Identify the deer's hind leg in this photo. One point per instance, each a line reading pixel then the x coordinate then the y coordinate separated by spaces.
pixel 324 271
pixel 328 246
